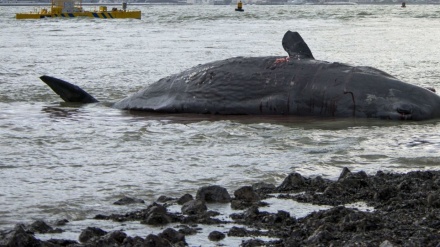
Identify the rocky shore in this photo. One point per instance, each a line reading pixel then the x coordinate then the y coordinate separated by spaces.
pixel 406 213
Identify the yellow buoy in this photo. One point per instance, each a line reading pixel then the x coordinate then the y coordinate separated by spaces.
pixel 239 6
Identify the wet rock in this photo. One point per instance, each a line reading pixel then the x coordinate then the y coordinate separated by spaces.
pixel 319 184
pixel 239 205
pixel 114 238
pixel 386 243
pixel 385 194
pixel 252 213
pixel 294 181
pixel 320 235
pixel 157 219
pixel 246 193
pixel 61 242
pixel 254 243
pixel 264 187
pixel 216 236
pixel 163 199
pixel 194 207
pixel 62 222
pixel 186 230
pixel 156 209
pixel 185 198
pixel 173 236
pixel 128 200
pixel 155 241
pixel 40 226
pixel 238 232
pixel 133 242
pixel 282 217
pixel 155 215
pixel 345 173
pixel 406 213
pixel 18 237
pixel 91 234
pixel 244 198
pixel 213 193
pixel 433 199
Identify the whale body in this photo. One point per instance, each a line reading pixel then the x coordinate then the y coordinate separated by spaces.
pixel 275 85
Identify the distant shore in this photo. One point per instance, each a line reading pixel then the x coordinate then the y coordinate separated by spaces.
pixel 89 4
pixel 180 4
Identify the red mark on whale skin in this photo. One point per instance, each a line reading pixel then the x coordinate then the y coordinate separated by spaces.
pixel 282 60
pixel 277 62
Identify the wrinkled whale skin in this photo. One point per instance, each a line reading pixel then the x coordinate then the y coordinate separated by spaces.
pixel 295 85
pixel 302 87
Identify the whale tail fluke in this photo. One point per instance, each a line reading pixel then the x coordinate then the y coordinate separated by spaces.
pixel 67 91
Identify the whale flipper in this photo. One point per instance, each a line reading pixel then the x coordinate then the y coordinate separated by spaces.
pixel 67 91
pixel 295 46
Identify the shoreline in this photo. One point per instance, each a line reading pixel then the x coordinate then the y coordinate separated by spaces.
pixel 403 209
pixel 184 4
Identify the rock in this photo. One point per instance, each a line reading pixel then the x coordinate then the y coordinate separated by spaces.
pixel 18 237
pixel 319 183
pixel 281 216
pixel 244 198
pixel 62 222
pixel 433 199
pixel 40 226
pixel 157 219
pixel 172 236
pixel 114 238
pixel 186 230
pixel 156 209
pixel 294 181
pixel 194 207
pixel 132 242
pixel 320 236
pixel 266 187
pixel 128 200
pixel 247 194
pixel 345 173
pixel 154 241
pixel 255 243
pixel 163 199
pixel 237 232
pixel 384 194
pixel 213 193
pixel 216 236
pixel 406 213
pixel 90 234
pixel 386 243
pixel 185 198
pixel 61 242
pixel 240 205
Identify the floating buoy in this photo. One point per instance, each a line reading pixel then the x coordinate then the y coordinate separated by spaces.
pixel 239 6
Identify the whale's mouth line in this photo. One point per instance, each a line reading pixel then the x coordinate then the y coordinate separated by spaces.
pixel 405 114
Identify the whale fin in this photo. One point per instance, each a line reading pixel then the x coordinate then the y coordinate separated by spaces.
pixel 295 46
pixel 67 91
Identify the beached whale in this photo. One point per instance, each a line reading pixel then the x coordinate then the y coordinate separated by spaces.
pixel 295 85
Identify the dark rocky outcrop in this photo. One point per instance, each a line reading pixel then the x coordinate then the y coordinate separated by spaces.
pixel 18 237
pixel 194 207
pixel 213 193
pixel 406 213
pixel 40 226
pixel 185 198
pixel 128 200
pixel 216 236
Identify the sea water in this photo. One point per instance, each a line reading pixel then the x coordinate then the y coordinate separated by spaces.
pixel 68 161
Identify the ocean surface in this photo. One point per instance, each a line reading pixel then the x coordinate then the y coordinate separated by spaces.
pixel 67 161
